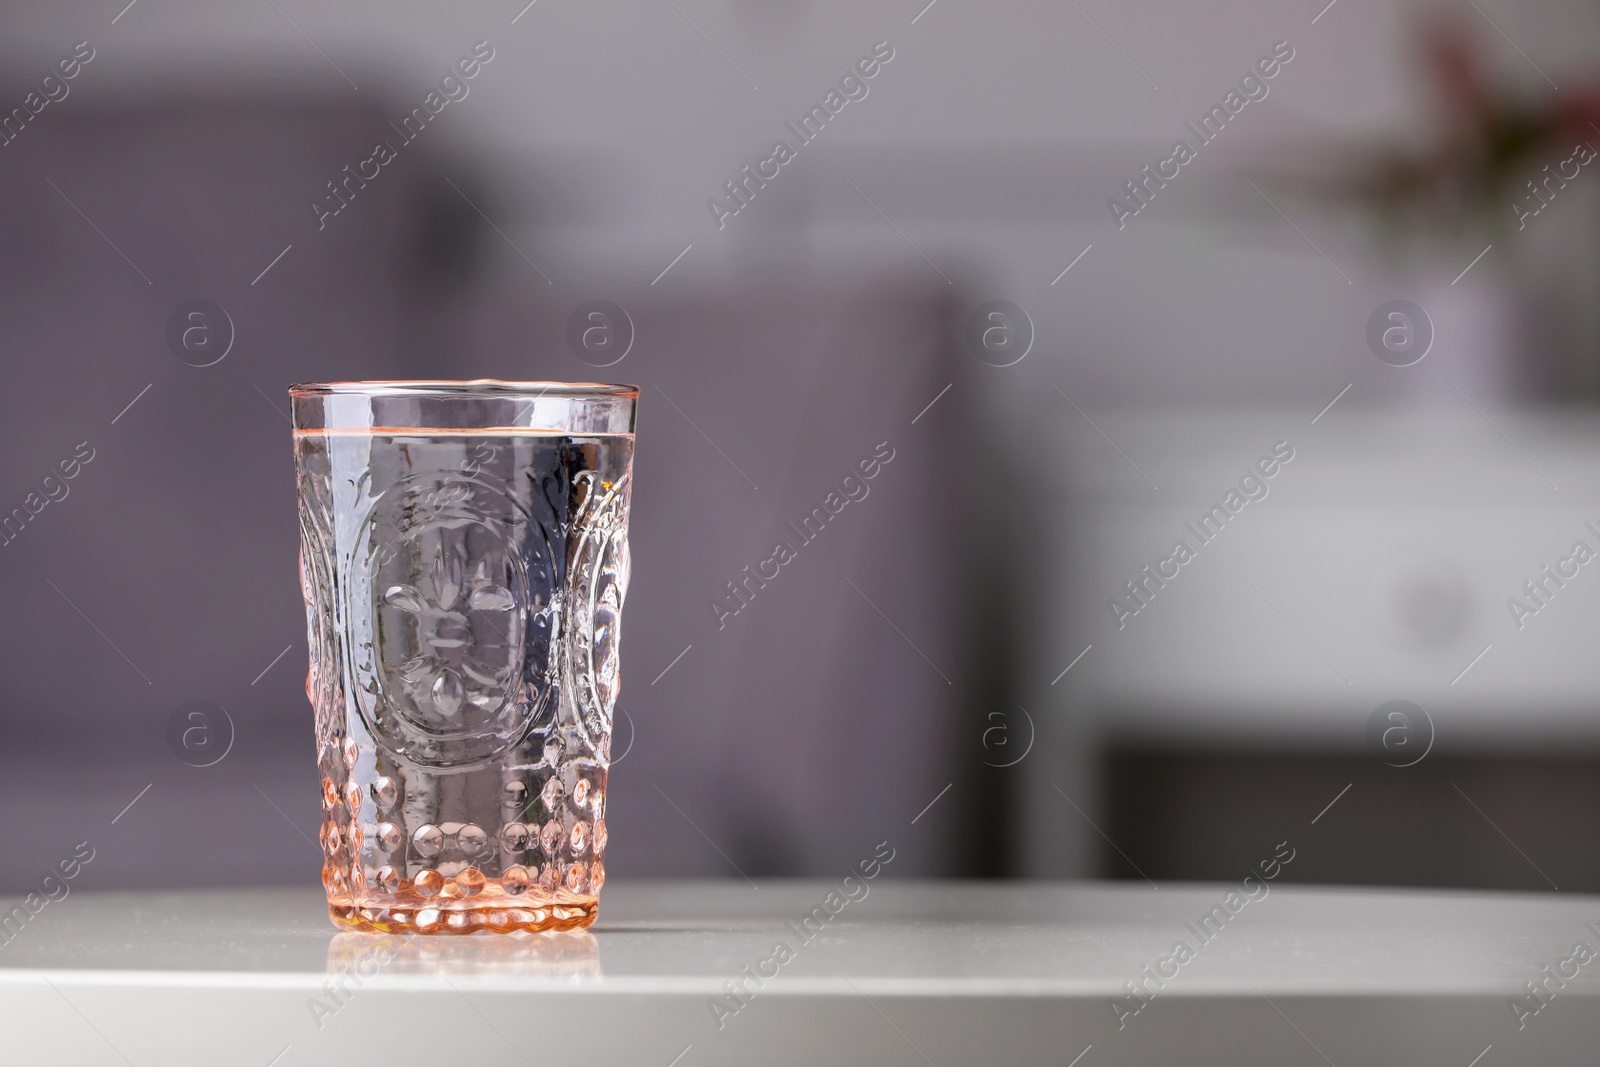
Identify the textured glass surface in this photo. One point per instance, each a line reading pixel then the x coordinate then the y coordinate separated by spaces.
pixel 464 587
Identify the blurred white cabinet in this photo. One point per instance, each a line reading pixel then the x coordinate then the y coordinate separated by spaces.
pixel 1381 563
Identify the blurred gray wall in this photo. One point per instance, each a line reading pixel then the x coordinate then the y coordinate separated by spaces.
pixel 815 324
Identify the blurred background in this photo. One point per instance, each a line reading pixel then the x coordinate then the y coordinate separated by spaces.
pixel 990 263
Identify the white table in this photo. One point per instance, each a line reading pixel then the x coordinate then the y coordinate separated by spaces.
pixel 913 973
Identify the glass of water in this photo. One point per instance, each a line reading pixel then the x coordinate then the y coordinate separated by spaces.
pixel 464 559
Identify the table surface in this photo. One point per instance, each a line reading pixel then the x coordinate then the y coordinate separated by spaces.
pixel 1023 969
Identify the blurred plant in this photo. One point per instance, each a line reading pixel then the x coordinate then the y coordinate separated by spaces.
pixel 1483 156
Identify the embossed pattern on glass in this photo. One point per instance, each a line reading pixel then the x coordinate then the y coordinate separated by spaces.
pixel 464 560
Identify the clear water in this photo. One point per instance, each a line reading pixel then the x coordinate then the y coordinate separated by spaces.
pixel 464 593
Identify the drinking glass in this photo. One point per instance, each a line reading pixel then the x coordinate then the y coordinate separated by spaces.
pixel 464 559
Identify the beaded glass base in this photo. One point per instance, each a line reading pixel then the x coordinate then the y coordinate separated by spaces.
pixel 491 910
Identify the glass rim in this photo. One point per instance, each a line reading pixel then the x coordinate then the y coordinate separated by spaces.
pixel 487 388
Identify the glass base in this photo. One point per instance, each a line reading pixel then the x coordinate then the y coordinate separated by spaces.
pixel 490 913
